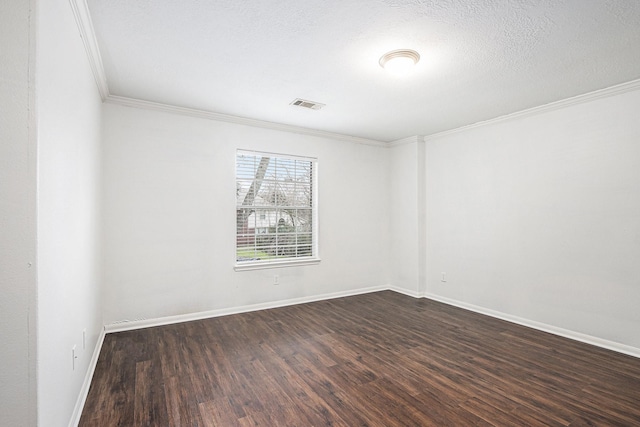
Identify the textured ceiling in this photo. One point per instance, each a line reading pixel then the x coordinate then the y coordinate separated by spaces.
pixel 480 59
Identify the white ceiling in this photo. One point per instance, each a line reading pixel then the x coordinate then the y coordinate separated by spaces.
pixel 480 59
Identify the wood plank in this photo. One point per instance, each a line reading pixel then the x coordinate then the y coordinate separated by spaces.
pixel 150 408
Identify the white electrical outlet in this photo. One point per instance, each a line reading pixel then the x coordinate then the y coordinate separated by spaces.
pixel 276 280
pixel 444 277
pixel 74 356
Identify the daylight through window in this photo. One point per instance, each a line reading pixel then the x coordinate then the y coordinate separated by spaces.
pixel 274 208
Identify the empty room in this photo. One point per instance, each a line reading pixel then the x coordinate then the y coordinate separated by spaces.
pixel 320 213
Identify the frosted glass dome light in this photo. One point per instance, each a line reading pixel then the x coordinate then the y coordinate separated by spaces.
pixel 399 62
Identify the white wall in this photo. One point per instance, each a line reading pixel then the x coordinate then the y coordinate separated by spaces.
pixel 539 217
pixel 407 246
pixel 69 114
pixel 17 217
pixel 169 215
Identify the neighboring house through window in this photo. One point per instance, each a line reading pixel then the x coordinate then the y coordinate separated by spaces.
pixel 275 210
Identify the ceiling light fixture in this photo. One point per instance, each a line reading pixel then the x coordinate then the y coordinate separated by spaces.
pixel 399 62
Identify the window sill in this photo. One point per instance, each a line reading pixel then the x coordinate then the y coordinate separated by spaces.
pixel 261 265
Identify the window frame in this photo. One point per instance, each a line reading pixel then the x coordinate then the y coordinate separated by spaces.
pixel 314 258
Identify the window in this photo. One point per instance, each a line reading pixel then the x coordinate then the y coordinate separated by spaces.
pixel 275 210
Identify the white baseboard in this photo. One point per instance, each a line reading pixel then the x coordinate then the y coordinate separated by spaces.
pixel 404 291
pixel 84 391
pixel 148 323
pixel 576 336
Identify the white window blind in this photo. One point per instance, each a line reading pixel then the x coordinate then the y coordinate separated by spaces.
pixel 274 208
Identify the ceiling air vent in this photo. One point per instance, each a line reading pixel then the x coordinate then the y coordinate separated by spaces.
pixel 307 104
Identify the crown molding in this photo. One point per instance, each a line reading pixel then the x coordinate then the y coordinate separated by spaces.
pixel 87 33
pixel 404 141
pixel 552 106
pixel 210 115
pixel 88 36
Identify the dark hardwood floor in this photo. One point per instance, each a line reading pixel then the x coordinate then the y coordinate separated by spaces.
pixel 380 359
